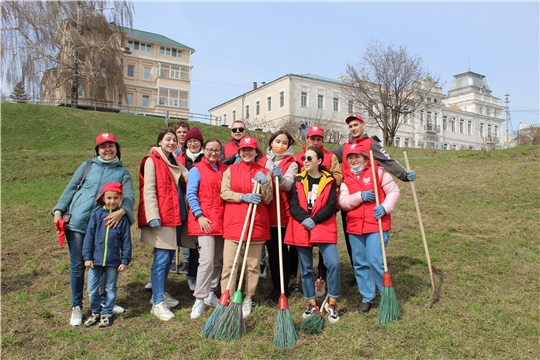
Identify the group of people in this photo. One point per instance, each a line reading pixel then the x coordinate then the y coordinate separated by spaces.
pixel 197 194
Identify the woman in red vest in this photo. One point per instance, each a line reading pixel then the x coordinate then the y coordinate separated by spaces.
pixel 313 222
pixel 159 215
pixel 357 198
pixel 205 220
pixel 279 160
pixel 237 191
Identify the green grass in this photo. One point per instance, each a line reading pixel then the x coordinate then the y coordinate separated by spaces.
pixel 481 216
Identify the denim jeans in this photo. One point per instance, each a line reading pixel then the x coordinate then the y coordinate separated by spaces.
pixel 331 261
pixel 76 277
pixel 96 276
pixel 368 262
pixel 185 254
pixel 160 270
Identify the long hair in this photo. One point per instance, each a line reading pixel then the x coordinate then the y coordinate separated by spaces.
pixel 162 134
pixel 320 155
pixel 279 132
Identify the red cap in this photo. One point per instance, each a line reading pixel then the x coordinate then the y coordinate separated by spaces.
pixel 248 142
pixel 113 186
pixel 104 137
pixel 355 117
pixel 315 131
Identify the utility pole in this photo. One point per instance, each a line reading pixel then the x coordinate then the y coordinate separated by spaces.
pixel 507 140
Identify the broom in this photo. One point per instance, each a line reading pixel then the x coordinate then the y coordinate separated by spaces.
pixel 226 295
pixel 285 335
pixel 388 309
pixel 314 323
pixel 434 295
pixel 230 325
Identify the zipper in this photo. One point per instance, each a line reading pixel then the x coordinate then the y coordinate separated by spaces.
pixel 106 243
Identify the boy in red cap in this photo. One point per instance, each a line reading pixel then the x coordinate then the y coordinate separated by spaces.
pixel 106 252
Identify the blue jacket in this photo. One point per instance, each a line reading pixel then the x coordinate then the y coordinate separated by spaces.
pixel 107 246
pixel 81 203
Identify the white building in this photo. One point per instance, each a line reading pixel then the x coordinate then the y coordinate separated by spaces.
pixel 469 117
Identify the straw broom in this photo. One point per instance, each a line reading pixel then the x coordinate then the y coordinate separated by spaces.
pixel 314 323
pixel 285 335
pixel 230 325
pixel 388 310
pixel 226 296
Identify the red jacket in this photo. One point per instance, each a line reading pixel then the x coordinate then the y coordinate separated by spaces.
pixel 360 220
pixel 283 196
pixel 326 230
pixel 210 201
pixel 235 213
pixel 230 149
pixel 166 192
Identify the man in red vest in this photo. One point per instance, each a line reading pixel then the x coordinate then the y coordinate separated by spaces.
pixel 229 152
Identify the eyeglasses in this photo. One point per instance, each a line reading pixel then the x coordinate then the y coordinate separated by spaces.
pixel 308 158
pixel 235 130
pixel 213 151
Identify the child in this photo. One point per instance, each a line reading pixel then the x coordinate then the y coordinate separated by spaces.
pixel 357 198
pixel 106 251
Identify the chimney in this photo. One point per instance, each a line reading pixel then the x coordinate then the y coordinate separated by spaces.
pixel 254 85
pixel 263 83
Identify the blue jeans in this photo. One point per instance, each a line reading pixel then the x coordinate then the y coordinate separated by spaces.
pixel 160 270
pixel 331 261
pixel 185 255
pixel 368 262
pixel 96 277
pixel 76 276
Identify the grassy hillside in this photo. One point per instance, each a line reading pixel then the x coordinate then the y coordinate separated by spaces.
pixel 480 211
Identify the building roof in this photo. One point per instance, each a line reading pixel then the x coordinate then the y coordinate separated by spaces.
pixel 153 38
pixel 468 81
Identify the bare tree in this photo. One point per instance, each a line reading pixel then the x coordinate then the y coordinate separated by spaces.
pixel 389 83
pixel 528 136
pixel 59 43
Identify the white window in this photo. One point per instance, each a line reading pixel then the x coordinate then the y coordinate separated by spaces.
pixel 225 118
pixel 453 123
pixel 146 73
pixel 281 99
pixel 131 70
pixel 488 111
pixel 496 130
pixel 481 130
pixel 171 52
pixel 174 72
pixel 406 117
pixel 489 130
pixel 461 126
pixel 320 101
pixel 257 107
pixel 407 142
pixel 173 97
pixel 269 104
pixel 469 127
pixel 429 121
pixel 398 141
pixel 481 110
pixel 129 99
pixel 303 99
pixel 233 115
pixel 336 103
pixel 444 146
pixel 445 123
pixel 351 107
pixel 145 100
pixel 421 117
pixel 247 111
pixel 454 146
pixel 436 119
pixel 80 90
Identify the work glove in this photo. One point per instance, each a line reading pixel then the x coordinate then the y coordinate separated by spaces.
pixel 410 174
pixel 308 223
pixel 368 196
pixel 237 159
pixel 156 223
pixel 277 172
pixel 260 178
pixel 251 198
pixel 378 212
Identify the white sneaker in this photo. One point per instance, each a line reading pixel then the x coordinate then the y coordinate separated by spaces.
pixel 148 286
pixel 117 309
pixel 262 273
pixel 192 284
pixel 162 312
pixel 168 299
pixel 76 316
pixel 198 309
pixel 247 307
pixel 211 300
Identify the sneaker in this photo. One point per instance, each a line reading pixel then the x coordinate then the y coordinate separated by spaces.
pixel 161 311
pixel 320 288
pixel 247 307
pixel 197 309
pixel 168 299
pixel 94 318
pixel 333 315
pixel 117 309
pixel 192 285
pixel 148 286
pixel 184 269
pixel 262 274
pixel 105 320
pixel 211 300
pixel 76 316
pixel 311 310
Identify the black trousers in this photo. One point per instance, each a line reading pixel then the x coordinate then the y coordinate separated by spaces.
pixel 272 247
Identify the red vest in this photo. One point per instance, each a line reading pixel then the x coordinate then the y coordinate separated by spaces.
pixel 283 196
pixel 235 213
pixel 210 200
pixel 230 149
pixel 166 192
pixel 181 159
pixel 327 160
pixel 363 142
pixel 360 220
pixel 325 232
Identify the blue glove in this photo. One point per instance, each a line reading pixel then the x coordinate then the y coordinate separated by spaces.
pixel 277 172
pixel 378 212
pixel 411 175
pixel 251 198
pixel 368 196
pixel 260 178
pixel 237 159
pixel 156 223
pixel 308 223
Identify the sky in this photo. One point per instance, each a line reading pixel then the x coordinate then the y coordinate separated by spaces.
pixel 238 43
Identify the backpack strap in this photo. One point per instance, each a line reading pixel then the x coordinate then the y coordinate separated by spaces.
pixel 87 168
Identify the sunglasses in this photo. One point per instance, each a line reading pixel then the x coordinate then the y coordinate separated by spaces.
pixel 308 158
pixel 240 129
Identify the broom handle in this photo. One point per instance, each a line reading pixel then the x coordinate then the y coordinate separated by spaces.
pixel 237 256
pixel 280 240
pixel 424 241
pixel 250 232
pixel 375 186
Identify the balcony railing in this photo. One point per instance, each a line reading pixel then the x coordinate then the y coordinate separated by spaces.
pixel 432 129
